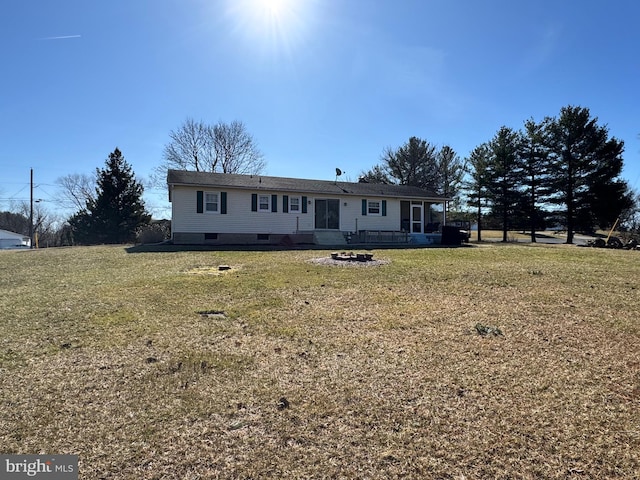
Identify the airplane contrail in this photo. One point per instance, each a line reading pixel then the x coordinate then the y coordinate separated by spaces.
pixel 61 37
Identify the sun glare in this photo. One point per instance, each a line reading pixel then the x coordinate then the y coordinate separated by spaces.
pixel 274 8
pixel 272 25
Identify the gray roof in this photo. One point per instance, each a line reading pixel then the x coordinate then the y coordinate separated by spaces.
pixel 12 235
pixel 298 185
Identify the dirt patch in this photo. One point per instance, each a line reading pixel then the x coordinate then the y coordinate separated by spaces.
pixel 211 270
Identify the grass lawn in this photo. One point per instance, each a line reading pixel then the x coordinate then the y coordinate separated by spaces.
pixel 160 366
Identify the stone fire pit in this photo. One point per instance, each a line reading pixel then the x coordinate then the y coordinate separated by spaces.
pixel 352 257
pixel 349 259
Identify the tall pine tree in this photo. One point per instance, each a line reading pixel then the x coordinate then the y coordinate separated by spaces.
pixel 534 156
pixel 420 164
pixel 586 170
pixel 117 209
pixel 477 183
pixel 415 163
pixel 505 174
pixel 451 170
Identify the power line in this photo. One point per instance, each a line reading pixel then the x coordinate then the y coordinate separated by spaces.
pixel 44 191
pixel 19 191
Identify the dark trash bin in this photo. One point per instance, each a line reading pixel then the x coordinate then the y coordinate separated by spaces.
pixel 451 236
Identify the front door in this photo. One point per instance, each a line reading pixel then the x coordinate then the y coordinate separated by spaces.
pixel 327 214
pixel 416 218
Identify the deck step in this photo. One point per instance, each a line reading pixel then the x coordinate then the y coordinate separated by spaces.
pixel 329 238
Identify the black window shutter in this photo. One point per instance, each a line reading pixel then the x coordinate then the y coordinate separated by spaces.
pixel 199 201
pixel 285 203
pixel 223 202
pixel 304 204
pixel 384 208
pixel 364 206
pixel 254 202
pixel 274 203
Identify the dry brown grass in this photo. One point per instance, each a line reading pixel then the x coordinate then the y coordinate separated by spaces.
pixel 147 371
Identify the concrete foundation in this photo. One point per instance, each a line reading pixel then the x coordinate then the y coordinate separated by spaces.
pixel 181 238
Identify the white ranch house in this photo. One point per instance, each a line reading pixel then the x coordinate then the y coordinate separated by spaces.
pixel 10 240
pixel 232 209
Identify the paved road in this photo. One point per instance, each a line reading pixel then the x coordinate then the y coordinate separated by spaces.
pixel 550 238
pixel 562 238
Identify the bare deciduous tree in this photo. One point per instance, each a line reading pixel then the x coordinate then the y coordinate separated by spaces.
pixel 76 190
pixel 236 150
pixel 191 148
pixel 224 148
pixel 45 224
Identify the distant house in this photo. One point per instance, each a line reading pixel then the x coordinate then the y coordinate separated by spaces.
pixel 9 240
pixel 218 208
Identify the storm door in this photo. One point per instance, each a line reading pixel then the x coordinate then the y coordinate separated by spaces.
pixel 416 217
pixel 327 214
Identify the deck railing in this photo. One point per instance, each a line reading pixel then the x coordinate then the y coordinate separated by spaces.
pixel 380 236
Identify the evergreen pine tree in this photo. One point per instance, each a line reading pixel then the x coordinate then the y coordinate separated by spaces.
pixel 505 175
pixel 451 170
pixel 586 170
pixel 534 155
pixel 117 209
pixel 477 182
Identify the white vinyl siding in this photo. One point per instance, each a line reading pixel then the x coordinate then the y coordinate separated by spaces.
pixel 351 218
pixel 240 218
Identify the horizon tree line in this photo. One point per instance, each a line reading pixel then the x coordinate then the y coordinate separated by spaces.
pixel 566 167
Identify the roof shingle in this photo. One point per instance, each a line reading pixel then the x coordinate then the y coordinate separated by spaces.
pixel 299 185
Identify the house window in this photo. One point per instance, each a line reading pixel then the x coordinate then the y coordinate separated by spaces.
pixel 263 203
pixel 294 204
pixel 373 207
pixel 211 203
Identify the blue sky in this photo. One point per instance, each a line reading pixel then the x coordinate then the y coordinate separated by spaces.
pixel 318 83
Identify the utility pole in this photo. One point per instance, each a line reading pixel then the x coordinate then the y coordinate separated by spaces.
pixel 31 215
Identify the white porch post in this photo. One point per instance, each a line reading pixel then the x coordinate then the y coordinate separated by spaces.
pixel 444 212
